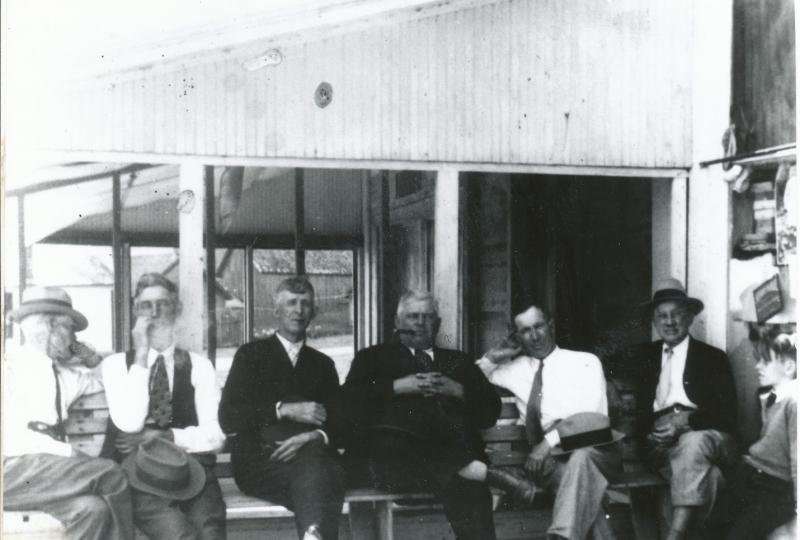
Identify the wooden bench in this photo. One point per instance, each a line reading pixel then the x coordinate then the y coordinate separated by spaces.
pixel 370 512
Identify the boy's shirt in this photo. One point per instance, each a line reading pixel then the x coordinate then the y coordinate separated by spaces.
pixel 775 453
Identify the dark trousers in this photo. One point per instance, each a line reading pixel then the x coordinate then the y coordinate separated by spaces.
pixel 400 462
pixel 311 485
pixel 757 503
pixel 89 496
pixel 199 518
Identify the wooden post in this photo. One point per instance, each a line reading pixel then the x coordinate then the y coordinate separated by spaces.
pixel 299 223
pixel 447 263
pixel 21 250
pixel 709 197
pixel 192 255
pixel 211 265
pixel 120 302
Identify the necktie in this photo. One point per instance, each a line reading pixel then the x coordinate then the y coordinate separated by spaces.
pixel 424 361
pixel 771 398
pixel 664 380
pixel 60 432
pixel 533 416
pixel 160 410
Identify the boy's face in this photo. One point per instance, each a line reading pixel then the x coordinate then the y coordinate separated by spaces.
pixel 772 370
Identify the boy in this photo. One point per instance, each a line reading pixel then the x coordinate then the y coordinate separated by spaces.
pixel 763 491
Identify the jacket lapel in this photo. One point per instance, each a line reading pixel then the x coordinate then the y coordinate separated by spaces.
pixel 279 353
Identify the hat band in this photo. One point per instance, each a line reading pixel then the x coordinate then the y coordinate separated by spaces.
pixel 587 438
pixel 46 301
pixel 159 482
pixel 669 294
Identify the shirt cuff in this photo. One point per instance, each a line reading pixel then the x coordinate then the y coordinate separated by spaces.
pixel 278 410
pixel 324 435
pixel 552 437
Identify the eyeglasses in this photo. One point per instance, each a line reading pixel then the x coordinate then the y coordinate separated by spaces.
pixel 146 306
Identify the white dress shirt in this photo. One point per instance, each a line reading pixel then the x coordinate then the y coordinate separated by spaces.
pixel 676 366
pixel 128 397
pixel 30 396
pixel 292 349
pixel 572 382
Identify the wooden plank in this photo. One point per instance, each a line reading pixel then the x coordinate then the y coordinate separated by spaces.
pixel 85 426
pixel 504 433
pixel 90 401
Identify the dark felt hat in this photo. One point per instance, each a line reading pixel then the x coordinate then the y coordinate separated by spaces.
pixel 160 468
pixel 672 290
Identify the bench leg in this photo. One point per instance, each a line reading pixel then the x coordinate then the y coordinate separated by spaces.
pixel 644 512
pixel 363 524
pixel 385 518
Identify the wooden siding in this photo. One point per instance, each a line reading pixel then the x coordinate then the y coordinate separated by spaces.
pixel 764 80
pixel 564 82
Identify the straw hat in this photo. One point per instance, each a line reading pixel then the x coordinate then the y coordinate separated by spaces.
pixel 48 300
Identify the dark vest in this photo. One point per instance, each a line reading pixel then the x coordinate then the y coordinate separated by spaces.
pixel 184 413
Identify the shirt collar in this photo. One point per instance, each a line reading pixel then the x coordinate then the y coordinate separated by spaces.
pixel 552 353
pixel 31 354
pixel 168 354
pixel 678 350
pixel 429 352
pixel 289 345
pixel 785 389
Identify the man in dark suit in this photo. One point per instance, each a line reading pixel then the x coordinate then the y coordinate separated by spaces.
pixel 416 410
pixel 277 406
pixel 687 409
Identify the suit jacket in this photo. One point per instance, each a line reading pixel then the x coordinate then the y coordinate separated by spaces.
pixel 260 377
pixel 370 403
pixel 707 380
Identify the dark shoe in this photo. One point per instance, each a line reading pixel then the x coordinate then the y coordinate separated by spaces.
pixel 521 488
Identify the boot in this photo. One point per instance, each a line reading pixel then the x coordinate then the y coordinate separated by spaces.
pixel 521 488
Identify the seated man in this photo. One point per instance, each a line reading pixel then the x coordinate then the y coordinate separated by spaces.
pixel 551 384
pixel 415 412
pixel 41 471
pixel 687 409
pixel 160 390
pixel 276 406
pixel 763 490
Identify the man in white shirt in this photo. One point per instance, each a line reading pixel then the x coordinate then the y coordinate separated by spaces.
pixel 41 471
pixel 549 384
pixel 160 390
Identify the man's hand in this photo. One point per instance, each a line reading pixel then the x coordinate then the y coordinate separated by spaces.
pixel 668 429
pixel 288 448
pixel 416 383
pixel 539 460
pixel 503 353
pixel 305 412
pixel 442 385
pixel 128 442
pixel 140 335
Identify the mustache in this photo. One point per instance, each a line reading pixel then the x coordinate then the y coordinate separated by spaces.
pixel 403 331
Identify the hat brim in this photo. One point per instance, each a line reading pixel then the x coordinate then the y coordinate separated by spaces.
pixel 616 436
pixel 197 479
pixel 24 310
pixel 695 305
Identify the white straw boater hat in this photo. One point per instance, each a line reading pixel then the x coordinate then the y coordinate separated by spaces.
pixel 48 300
pixel 584 429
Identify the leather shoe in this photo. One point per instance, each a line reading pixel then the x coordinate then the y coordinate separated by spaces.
pixel 521 488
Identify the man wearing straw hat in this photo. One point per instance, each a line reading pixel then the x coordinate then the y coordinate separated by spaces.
pixel 686 408
pixel 41 470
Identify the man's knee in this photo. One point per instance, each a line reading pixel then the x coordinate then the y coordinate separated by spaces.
pixel 695 445
pixel 92 508
pixel 112 476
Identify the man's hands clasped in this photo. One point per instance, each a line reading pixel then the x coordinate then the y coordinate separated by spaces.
pixel 429 385
pixel 305 412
